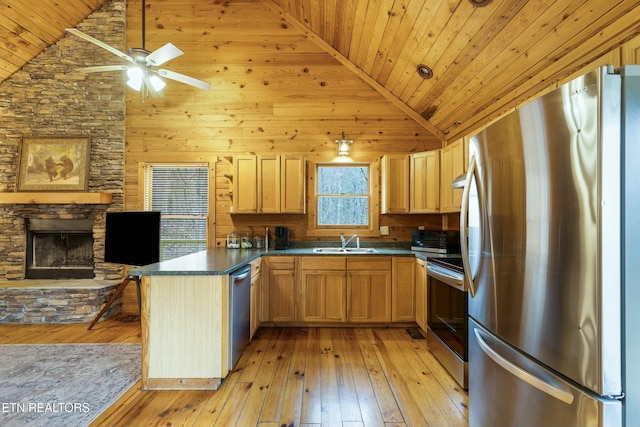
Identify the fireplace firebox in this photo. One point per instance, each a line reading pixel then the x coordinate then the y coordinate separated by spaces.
pixel 59 249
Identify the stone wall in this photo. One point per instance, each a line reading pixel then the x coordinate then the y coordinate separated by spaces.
pixel 49 98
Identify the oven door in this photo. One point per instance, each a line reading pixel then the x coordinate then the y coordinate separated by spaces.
pixel 447 318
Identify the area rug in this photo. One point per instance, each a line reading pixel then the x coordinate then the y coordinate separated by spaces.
pixel 65 385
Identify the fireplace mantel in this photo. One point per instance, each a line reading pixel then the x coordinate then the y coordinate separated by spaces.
pixel 55 198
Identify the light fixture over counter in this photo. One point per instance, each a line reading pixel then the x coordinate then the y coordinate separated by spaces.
pixel 343 145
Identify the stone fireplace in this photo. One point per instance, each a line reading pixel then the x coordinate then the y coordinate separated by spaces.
pixel 59 249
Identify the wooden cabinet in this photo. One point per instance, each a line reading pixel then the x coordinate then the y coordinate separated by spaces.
pixel 369 289
pixel 281 284
pixel 403 289
pixel 395 184
pixel 323 289
pixel 421 294
pixel 256 295
pixel 425 182
pixel 451 166
pixel 293 185
pixel 268 184
pixel 244 184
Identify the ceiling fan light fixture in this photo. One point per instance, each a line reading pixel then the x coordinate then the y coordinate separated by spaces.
pixel 136 76
pixel 157 83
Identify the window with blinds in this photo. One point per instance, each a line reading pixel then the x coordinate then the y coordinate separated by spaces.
pixel 181 193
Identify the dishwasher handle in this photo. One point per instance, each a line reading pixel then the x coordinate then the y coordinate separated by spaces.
pixel 240 277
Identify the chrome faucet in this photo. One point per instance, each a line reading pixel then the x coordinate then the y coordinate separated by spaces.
pixel 346 242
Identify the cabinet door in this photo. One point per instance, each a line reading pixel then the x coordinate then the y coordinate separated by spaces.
pixel 256 296
pixel 244 184
pixel 421 294
pixel 425 182
pixel 395 184
pixel 403 289
pixel 281 295
pixel 369 296
pixel 323 296
pixel 451 165
pixel 293 185
pixel 268 183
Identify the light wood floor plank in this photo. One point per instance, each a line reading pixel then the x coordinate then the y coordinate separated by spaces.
pixel 409 405
pixel 312 398
pixel 371 414
pixel 292 401
pixel 349 404
pixel 329 383
pixel 391 412
pixel 311 377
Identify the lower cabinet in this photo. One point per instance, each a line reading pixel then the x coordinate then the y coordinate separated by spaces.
pixel 282 286
pixel 369 289
pixel 256 290
pixel 323 288
pixel 338 289
pixel 403 289
pixel 421 294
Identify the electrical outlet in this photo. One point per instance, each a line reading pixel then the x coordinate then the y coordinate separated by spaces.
pixel 421 227
pixel 384 230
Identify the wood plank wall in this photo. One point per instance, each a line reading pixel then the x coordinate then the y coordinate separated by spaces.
pixel 273 91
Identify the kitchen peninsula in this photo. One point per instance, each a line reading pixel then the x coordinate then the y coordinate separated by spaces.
pixel 186 303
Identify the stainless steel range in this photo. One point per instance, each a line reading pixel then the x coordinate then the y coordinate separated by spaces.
pixel 447 318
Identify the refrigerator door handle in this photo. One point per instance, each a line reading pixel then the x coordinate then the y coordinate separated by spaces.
pixel 525 376
pixel 464 223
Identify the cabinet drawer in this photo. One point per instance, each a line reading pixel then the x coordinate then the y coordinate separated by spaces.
pixel 323 263
pixel 369 263
pixel 280 262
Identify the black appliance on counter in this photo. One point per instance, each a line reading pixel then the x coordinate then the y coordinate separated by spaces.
pixel 436 241
pixel 282 238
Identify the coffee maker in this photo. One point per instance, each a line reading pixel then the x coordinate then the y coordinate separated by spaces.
pixel 282 238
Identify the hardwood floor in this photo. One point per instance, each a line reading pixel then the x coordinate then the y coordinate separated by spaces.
pixel 289 377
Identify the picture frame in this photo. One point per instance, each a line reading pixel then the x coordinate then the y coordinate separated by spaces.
pixel 54 163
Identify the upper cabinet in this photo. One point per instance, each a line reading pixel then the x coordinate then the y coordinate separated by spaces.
pixel 424 188
pixel 395 184
pixel 268 184
pixel 451 166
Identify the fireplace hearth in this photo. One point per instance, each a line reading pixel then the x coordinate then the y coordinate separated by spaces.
pixel 59 249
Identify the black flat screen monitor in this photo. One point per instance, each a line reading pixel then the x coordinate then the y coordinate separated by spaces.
pixel 132 238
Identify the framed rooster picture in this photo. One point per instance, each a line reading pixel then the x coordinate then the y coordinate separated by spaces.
pixel 54 164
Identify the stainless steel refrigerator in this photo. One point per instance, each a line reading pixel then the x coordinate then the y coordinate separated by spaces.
pixel 551 246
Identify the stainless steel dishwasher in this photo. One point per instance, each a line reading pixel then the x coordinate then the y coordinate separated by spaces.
pixel 240 314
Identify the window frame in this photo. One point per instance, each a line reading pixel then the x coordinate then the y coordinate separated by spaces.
pixel 370 230
pixel 146 187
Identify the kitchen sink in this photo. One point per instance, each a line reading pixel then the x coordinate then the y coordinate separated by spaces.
pixel 345 251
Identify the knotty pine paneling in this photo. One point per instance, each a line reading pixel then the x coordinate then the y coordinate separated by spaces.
pixel 273 91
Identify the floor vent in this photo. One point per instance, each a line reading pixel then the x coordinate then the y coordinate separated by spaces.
pixel 415 333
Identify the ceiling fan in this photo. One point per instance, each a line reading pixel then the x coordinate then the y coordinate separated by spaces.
pixel 142 71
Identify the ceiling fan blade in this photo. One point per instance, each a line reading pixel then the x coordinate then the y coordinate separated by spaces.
pixel 184 79
pixel 100 44
pixel 101 68
pixel 163 54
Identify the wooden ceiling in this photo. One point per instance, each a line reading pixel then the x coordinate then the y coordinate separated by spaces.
pixel 484 59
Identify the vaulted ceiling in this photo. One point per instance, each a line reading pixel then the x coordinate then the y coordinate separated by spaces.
pixel 483 59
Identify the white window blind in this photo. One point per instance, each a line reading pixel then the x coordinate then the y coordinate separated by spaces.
pixel 180 191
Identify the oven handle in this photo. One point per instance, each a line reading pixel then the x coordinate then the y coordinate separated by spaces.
pixel 441 275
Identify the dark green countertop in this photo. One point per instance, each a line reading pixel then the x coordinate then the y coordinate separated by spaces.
pixel 223 261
